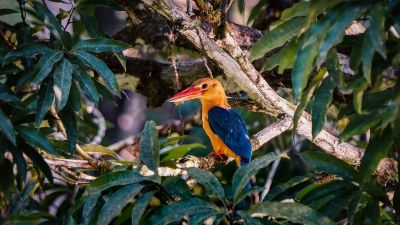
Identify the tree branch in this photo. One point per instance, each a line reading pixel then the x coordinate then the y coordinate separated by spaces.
pixel 235 65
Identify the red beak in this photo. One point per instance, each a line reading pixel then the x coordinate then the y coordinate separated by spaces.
pixel 187 94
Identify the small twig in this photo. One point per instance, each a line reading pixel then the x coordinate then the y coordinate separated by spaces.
pixel 71 12
pixel 207 67
pixel 22 9
pixel 128 141
pixel 271 174
pixel 100 121
pixel 173 63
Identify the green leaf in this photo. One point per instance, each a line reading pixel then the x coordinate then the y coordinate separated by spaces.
pixel 248 219
pixel 255 11
pixel 140 207
pixel 316 191
pixel 112 179
pixel 359 86
pixel 299 9
pixel 19 159
pixel 208 181
pixel 306 96
pixel 62 83
pixel 178 151
pixel 302 68
pixel 51 22
pixel 246 193
pixel 281 188
pixel 7 128
pixel 89 207
pixel 100 45
pixel 33 137
pixel 271 62
pixel 27 51
pixel 116 202
pixel 38 161
pixel 177 187
pixel 67 116
pixel 45 100
pixel 294 212
pixel 88 19
pixel 367 55
pixel 316 8
pixel 243 174
pixel 346 16
pixel 101 68
pixel 199 218
pixel 288 56
pixel 378 148
pixel 93 148
pixel 86 84
pixel 150 146
pixel 277 37
pixel 121 59
pixel 7 178
pixel 176 211
pixel 361 123
pixel 45 65
pixel 376 29
pixel 7 11
pixel 322 100
pixel 325 162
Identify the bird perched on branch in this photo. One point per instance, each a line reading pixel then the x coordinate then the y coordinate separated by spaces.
pixel 226 130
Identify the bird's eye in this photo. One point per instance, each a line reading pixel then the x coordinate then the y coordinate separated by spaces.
pixel 204 86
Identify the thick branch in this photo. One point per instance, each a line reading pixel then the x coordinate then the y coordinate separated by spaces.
pixel 235 65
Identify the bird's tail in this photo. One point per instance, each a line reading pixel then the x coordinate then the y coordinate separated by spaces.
pixel 243 162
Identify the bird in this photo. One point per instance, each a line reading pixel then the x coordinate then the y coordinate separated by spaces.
pixel 227 131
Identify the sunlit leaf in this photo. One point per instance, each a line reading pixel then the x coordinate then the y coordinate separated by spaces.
pixel 208 181
pixel 178 151
pixel 150 146
pixel 116 202
pixel 288 56
pixel 243 174
pixel 294 212
pixel 93 148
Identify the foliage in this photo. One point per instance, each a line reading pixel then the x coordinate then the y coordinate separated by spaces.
pixel 47 82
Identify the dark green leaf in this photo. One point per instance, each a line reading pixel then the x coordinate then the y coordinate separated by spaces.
pixel 107 3
pixel 88 19
pixel 378 148
pixel 302 68
pixel 62 83
pixel 281 188
pixel 208 181
pixel 297 10
pixel 150 146
pixel 33 137
pixel 7 11
pixel 322 100
pixel 248 219
pixel 277 37
pixel 361 123
pixel 199 218
pixel 100 45
pixel 121 59
pixel 116 202
pixel 7 128
pixel 101 68
pixel 316 8
pixel 345 17
pixel 288 56
pixel 49 19
pixel 241 5
pixel 45 100
pixel 89 207
pixel 38 161
pixel 255 11
pixel 355 57
pixel 67 116
pixel 294 212
pixel 177 187
pixel 27 51
pixel 86 84
pixel 7 178
pixel 45 65
pixel 112 179
pixel 306 96
pixel 19 159
pixel 377 29
pixel 316 191
pixel 140 207
pixel 325 162
pixel 367 55
pixel 246 193
pixel 178 151
pixel 244 173
pixel 271 62
pixel 176 211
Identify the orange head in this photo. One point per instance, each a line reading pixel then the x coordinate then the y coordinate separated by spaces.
pixel 208 90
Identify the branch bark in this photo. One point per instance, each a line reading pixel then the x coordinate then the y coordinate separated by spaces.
pixel 235 65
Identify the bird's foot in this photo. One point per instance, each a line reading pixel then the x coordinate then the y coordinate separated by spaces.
pixel 219 155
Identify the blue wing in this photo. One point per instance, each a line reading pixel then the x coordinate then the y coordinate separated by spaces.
pixel 228 125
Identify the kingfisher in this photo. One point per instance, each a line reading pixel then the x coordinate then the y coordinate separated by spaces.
pixel 225 128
